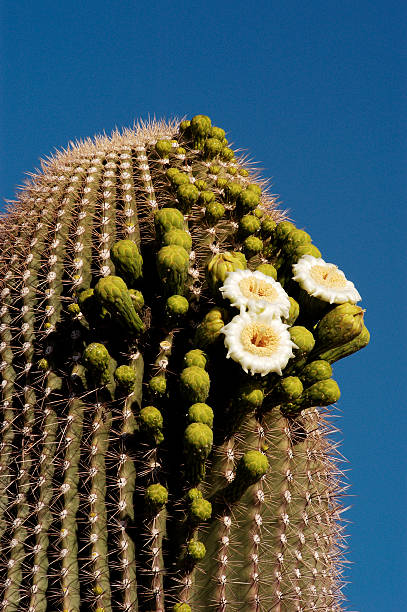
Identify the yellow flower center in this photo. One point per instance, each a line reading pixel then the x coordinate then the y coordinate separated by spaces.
pixel 258 289
pixel 329 276
pixel 259 339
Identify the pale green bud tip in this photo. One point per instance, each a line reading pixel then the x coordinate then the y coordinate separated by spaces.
pixel 198 439
pixel 283 229
pixel 158 385
pixel 206 196
pixel 196 357
pixel 195 384
pixel 252 245
pixel 173 256
pixel 200 510
pixel 125 377
pixel 156 496
pixel 268 270
pixel 182 607
pixel 177 305
pixel 201 413
pixel 177 177
pixel 227 154
pixel 232 190
pixel 253 397
pixel 294 311
pixel 43 365
pixel 302 338
pixel 214 169
pixel 163 148
pixel 194 494
pixel 184 125
pixel 178 237
pixel 201 185
pixel 252 466
pixel 201 125
pixel 151 418
pixel 196 550
pixel 96 356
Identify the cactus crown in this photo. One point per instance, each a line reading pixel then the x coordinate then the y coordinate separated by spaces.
pixel 166 348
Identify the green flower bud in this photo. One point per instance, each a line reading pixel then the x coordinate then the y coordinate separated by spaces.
pixel 184 125
pixel 232 191
pixel 227 154
pixel 187 196
pixel 289 388
pixel 209 330
pixel 200 129
pixel 295 239
pixel 294 312
pixel 200 510
pixel 156 497
pixel 201 185
pixel 303 339
pixel 249 224
pixel 252 397
pixel 322 393
pixel 212 148
pixel 232 170
pixel 111 292
pixel 180 151
pixel 339 352
pixel 151 421
pixel 305 249
pixel 205 197
pixel 196 550
pixel 177 177
pixel 220 265
pixel 166 219
pixel 268 225
pixel 250 468
pixel 248 199
pixel 74 309
pixel 315 371
pixel 96 359
pixel 127 260
pixel 163 148
pixel 198 441
pixel 197 358
pixel 252 245
pixel 193 494
pixel 221 182
pixel 214 212
pixel 268 269
pixel 214 169
pixel 43 365
pixel 283 229
pixel 137 298
pixel 217 132
pixel 195 384
pixel 340 325
pixel 125 378
pixel 158 385
pixel 255 188
pixel 179 237
pixel 172 266
pixel 176 306
pixel 201 413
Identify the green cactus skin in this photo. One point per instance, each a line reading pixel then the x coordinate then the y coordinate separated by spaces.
pixel 140 469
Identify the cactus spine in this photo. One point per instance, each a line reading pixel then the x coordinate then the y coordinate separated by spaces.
pixel 140 469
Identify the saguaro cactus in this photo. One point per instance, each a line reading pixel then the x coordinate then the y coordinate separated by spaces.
pixel 167 339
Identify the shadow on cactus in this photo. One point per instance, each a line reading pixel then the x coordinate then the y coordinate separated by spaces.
pixel 167 341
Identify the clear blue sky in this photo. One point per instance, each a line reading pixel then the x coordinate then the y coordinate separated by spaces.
pixel 315 91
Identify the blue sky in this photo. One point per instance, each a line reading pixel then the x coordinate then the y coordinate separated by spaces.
pixel 315 91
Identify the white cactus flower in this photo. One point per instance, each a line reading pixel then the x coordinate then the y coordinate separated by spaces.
pixel 256 292
pixel 324 281
pixel 259 342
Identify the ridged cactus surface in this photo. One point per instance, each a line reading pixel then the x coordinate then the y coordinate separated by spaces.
pixel 167 339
